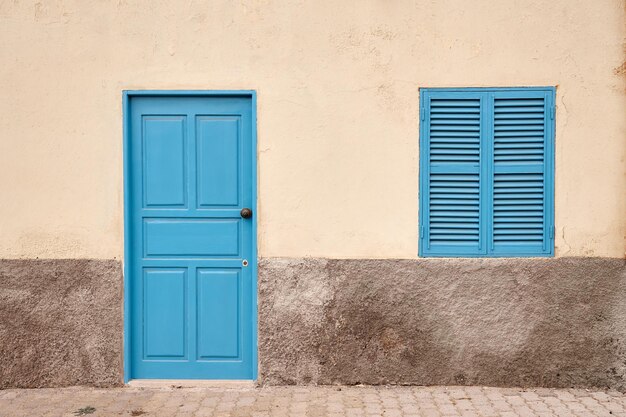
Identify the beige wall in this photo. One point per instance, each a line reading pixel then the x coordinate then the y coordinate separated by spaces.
pixel 337 87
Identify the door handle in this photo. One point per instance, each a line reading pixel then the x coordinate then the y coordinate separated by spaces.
pixel 246 213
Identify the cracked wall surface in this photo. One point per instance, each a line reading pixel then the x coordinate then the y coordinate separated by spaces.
pixel 499 322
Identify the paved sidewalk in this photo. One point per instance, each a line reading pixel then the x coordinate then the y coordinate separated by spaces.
pixel 311 401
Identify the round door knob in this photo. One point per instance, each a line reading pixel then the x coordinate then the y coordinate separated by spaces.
pixel 246 213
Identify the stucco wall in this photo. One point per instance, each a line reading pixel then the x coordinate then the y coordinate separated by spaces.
pixel 337 86
pixel 529 322
pixel 533 322
pixel 60 322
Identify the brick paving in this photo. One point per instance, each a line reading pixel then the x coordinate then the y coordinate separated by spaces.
pixel 310 401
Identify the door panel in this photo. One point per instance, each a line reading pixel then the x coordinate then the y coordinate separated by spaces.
pixel 191 302
pixel 218 313
pixel 164 328
pixel 218 160
pixel 191 237
pixel 164 161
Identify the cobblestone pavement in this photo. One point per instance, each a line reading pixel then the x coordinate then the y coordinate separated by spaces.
pixel 311 401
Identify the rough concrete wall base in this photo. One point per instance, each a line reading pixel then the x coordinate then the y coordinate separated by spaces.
pixel 60 323
pixel 504 322
pixel 501 322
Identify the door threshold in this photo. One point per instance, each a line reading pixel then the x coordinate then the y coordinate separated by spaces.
pixel 191 383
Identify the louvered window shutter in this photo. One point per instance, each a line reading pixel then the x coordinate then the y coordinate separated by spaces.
pixel 486 172
pixel 451 173
pixel 522 174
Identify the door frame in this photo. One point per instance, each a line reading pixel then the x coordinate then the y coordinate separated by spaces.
pixel 126 97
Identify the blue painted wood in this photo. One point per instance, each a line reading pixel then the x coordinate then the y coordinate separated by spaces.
pixel 190 302
pixel 218 160
pixel 165 328
pixel 253 264
pixel 451 170
pixel 127 234
pixel 218 313
pixel 521 181
pixel 164 163
pixel 192 237
pixel 486 172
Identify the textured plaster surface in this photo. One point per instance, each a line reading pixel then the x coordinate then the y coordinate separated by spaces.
pixel 338 111
pixel 60 323
pixel 500 322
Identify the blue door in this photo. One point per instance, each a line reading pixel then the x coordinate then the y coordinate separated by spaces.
pixel 191 272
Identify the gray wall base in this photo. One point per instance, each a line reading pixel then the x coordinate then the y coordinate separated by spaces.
pixel 500 322
pixel 60 323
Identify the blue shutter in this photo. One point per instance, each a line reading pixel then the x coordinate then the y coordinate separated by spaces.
pixel 487 172
pixel 522 174
pixel 451 171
